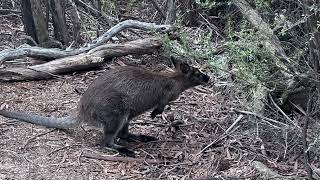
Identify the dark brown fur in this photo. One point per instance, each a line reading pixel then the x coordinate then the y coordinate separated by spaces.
pixel 121 94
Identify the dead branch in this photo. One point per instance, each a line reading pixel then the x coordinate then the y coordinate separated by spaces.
pixel 283 113
pixel 261 117
pixel 120 159
pixel 36 136
pixel 92 59
pixel 9 11
pixel 53 53
pixel 222 136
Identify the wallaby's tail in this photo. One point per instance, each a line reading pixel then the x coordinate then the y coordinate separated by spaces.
pixel 52 122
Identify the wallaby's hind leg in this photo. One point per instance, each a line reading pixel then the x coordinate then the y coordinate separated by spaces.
pixel 125 134
pixel 111 130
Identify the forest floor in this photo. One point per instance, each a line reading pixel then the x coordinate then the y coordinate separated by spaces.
pixel 206 112
pixel 34 152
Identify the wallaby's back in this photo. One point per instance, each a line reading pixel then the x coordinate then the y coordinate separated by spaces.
pixel 138 89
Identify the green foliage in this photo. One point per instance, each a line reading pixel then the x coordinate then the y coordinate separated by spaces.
pixel 262 4
pixel 108 6
pixel 206 3
pixel 202 46
pixel 252 64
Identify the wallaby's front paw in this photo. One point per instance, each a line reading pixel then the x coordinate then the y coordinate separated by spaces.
pixel 121 149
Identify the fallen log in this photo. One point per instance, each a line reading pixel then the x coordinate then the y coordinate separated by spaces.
pixel 92 59
pixel 53 53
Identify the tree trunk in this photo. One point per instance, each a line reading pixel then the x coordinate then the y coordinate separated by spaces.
pixel 312 27
pixel 75 17
pixel 27 20
pixel 171 12
pixel 39 21
pixel 57 9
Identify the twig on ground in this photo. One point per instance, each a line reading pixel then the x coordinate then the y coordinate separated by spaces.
pixel 283 113
pixel 234 123
pixel 56 150
pixel 260 116
pixel 152 123
pixel 121 159
pixel 212 26
pixel 9 122
pixel 222 136
pixel 202 90
pixel 38 135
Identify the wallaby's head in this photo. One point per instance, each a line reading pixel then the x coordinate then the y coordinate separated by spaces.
pixel 191 74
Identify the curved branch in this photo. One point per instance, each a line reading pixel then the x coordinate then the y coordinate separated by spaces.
pixel 130 24
pixel 54 53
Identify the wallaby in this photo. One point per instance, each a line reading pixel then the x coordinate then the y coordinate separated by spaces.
pixel 119 95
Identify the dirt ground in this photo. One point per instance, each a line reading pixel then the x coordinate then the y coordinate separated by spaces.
pixel 33 152
pixel 204 113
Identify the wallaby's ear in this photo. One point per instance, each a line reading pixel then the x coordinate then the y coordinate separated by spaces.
pixel 184 68
pixel 175 62
pixel 180 66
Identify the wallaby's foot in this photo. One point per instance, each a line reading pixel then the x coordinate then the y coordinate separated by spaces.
pixel 126 152
pixel 126 135
pixel 121 149
pixel 141 138
pixel 157 111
